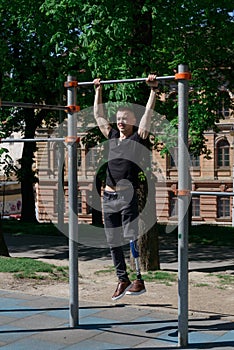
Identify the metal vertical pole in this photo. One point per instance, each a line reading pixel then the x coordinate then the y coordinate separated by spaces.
pixel 60 198
pixel 72 195
pixel 183 204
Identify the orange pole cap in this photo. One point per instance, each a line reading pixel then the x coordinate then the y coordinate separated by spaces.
pixel 68 84
pixel 183 192
pixel 72 109
pixel 71 139
pixel 183 76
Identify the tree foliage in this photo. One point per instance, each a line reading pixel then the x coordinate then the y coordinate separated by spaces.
pixel 44 40
pixel 131 39
pixel 36 55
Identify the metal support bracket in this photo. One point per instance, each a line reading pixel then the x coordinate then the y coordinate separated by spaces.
pixel 72 109
pixel 183 193
pixel 73 83
pixel 71 139
pixel 183 76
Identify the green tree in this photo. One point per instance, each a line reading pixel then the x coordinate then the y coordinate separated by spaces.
pixel 7 168
pixel 44 40
pixel 128 39
pixel 36 55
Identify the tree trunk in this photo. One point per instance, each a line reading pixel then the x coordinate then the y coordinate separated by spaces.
pixel 3 247
pixel 149 249
pixel 28 213
pixel 148 235
pixel 96 202
pixel 148 240
pixel 27 175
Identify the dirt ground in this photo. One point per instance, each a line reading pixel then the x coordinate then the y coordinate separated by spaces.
pixel 208 294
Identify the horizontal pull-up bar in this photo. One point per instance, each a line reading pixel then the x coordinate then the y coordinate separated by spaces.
pixel 67 139
pixel 203 193
pixel 33 140
pixel 31 105
pixel 121 81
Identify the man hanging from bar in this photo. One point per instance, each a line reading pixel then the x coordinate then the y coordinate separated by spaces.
pixel 120 207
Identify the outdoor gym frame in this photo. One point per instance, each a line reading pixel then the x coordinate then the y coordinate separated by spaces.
pixel 183 192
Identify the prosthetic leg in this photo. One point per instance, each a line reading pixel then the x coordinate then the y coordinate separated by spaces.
pixel 135 254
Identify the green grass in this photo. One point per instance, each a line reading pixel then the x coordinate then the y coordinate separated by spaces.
pixel 201 285
pixel 34 269
pixel 149 276
pixel 200 234
pixel 108 269
pixel 156 276
pixel 16 227
pixel 212 235
pixel 205 234
pixel 226 279
pixel 221 281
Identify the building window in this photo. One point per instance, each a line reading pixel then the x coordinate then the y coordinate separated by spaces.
pixel 223 153
pixel 55 201
pixel 91 158
pixel 89 202
pixel 78 155
pixel 58 156
pixel 223 207
pixel 79 202
pixel 58 203
pixel 173 205
pixel 55 156
pixel 196 206
pixel 224 101
pixel 194 161
pixel 174 157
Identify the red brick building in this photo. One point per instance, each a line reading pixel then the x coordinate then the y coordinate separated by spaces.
pixel 215 174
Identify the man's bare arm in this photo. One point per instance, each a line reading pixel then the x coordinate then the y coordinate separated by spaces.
pixel 102 122
pixel 144 126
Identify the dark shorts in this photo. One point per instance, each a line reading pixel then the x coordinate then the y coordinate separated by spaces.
pixel 120 211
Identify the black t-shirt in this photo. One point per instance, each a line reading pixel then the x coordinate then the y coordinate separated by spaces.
pixel 124 158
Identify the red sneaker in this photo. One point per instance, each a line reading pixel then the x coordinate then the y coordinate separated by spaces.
pixel 122 288
pixel 137 288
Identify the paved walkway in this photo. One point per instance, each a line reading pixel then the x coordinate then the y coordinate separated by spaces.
pixel 34 322
pixel 39 322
